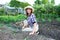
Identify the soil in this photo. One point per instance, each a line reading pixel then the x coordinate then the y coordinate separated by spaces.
pixel 47 31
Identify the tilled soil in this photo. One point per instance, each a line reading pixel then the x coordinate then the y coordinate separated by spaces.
pixel 7 34
pixel 50 29
pixel 47 31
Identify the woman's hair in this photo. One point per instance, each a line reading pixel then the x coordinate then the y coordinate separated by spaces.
pixel 27 12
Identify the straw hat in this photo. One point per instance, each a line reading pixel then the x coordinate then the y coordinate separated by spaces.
pixel 30 8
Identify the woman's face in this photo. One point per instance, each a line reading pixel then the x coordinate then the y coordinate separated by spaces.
pixel 28 11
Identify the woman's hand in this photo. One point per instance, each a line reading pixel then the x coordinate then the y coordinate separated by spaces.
pixel 31 33
pixel 23 27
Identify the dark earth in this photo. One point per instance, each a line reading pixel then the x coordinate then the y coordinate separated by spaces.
pixel 47 31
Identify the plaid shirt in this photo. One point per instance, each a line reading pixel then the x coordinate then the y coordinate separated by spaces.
pixel 31 19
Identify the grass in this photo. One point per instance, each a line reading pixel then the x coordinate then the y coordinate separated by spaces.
pixel 58 19
pixel 1 25
pixel 10 18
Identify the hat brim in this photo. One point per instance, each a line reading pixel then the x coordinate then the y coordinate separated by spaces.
pixel 29 8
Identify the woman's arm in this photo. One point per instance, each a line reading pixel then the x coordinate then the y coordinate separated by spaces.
pixel 34 29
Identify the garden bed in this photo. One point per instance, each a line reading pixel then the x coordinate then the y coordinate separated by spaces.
pixel 48 31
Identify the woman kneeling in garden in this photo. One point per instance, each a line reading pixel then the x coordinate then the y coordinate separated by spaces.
pixel 31 21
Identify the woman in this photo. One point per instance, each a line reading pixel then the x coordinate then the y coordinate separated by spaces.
pixel 31 20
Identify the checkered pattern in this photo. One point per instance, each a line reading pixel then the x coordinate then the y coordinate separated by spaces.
pixel 31 19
